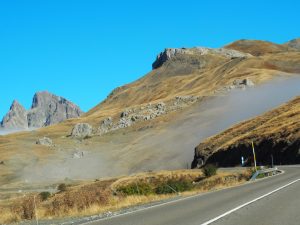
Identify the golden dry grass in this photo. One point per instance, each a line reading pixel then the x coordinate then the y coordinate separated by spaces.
pixel 155 87
pixel 257 48
pixel 281 123
pixel 99 196
pixel 167 82
pixel 179 77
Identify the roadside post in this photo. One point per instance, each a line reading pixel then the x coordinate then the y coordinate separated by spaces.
pixel 254 156
pixel 35 210
pixel 272 160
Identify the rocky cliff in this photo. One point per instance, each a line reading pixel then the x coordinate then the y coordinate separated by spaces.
pixel 46 109
pixel 170 53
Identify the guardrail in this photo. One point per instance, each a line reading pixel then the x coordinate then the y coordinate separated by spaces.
pixel 267 172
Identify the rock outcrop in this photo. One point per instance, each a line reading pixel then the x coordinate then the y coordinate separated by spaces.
pixel 82 130
pixel 147 112
pixel 237 84
pixel 105 126
pixel 45 141
pixel 16 118
pixel 169 53
pixel 46 109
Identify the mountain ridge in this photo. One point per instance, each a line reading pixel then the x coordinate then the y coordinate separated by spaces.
pixel 259 47
pixel 131 127
pixel 46 109
pixel 178 66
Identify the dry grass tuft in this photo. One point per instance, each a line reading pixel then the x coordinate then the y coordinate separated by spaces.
pixel 8 216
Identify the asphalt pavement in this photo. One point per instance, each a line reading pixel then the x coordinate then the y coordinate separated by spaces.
pixel 274 200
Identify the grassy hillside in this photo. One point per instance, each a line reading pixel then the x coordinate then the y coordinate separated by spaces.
pixel 258 48
pixel 276 133
pixel 193 74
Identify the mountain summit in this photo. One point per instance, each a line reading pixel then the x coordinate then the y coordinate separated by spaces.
pixel 16 118
pixel 46 109
pixel 169 53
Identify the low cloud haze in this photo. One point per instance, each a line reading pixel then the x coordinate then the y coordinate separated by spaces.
pixel 171 146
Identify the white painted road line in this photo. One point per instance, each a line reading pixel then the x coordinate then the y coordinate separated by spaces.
pixel 168 202
pixel 248 203
pixel 182 199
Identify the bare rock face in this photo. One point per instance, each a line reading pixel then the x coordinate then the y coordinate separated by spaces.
pixel 169 53
pixel 45 141
pixel 105 126
pixel 82 130
pixel 131 116
pixel 47 109
pixel 16 118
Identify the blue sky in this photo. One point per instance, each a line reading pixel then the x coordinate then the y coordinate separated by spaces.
pixel 83 49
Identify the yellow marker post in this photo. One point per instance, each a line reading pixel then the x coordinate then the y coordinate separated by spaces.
pixel 254 157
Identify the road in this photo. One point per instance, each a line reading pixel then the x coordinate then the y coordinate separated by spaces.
pixel 280 207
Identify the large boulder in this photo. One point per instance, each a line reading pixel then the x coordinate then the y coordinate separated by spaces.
pixel 45 141
pixel 82 130
pixel 242 83
pixel 105 126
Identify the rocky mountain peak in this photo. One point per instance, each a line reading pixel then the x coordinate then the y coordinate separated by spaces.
pixel 40 98
pixel 15 104
pixel 16 118
pixel 46 109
